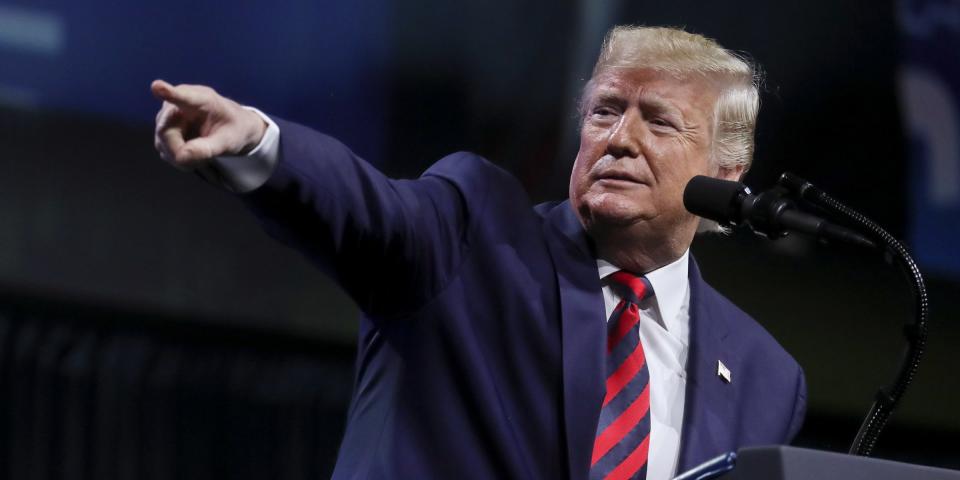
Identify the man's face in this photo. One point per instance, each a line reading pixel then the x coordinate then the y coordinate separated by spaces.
pixel 644 135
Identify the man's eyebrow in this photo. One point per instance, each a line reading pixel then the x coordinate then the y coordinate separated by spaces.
pixel 608 96
pixel 649 100
pixel 660 104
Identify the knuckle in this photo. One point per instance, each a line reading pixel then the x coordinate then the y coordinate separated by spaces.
pixel 182 159
pixel 164 116
pixel 203 152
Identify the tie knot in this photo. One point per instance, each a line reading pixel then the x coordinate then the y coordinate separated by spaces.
pixel 638 285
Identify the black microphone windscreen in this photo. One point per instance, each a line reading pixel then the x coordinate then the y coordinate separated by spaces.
pixel 714 199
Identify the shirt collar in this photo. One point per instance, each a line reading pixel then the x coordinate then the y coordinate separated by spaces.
pixel 670 283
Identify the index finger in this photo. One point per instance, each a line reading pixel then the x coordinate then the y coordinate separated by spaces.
pixel 181 95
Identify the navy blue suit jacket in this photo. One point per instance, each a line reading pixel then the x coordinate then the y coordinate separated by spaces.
pixel 482 342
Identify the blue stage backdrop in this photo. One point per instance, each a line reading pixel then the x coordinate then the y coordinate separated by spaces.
pixel 321 63
pixel 930 102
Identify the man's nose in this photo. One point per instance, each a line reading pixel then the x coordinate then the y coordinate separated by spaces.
pixel 626 136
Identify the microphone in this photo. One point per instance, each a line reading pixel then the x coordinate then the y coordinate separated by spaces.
pixel 768 214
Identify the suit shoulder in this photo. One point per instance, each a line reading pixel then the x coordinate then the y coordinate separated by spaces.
pixel 475 176
pixel 489 193
pixel 778 383
pixel 753 338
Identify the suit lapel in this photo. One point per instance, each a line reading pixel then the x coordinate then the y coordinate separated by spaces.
pixel 709 400
pixel 709 406
pixel 582 333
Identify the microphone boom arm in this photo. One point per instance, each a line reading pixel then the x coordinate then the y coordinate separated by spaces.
pixel 887 398
pixel 771 215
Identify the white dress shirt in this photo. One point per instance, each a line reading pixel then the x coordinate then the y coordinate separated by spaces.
pixel 664 334
pixel 664 318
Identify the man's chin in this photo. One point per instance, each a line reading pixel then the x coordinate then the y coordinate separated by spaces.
pixel 610 215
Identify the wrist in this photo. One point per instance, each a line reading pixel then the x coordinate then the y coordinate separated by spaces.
pixel 256 131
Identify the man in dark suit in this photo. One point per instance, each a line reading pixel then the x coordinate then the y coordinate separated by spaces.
pixel 572 340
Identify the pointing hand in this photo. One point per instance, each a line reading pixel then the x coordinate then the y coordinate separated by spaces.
pixel 196 124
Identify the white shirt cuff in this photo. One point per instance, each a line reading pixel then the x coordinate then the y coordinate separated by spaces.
pixel 245 173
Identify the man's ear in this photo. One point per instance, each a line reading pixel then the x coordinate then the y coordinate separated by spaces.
pixel 730 173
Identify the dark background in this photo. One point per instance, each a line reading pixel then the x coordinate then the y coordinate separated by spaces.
pixel 149 329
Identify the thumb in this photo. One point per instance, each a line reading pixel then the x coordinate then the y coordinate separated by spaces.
pixel 184 96
pixel 198 151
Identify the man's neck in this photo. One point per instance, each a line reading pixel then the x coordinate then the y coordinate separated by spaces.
pixel 641 254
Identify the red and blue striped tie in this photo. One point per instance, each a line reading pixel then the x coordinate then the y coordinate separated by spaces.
pixel 623 434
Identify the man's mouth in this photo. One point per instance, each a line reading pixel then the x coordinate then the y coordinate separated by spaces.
pixel 616 176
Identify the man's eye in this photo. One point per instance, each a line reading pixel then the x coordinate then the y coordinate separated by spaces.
pixel 603 111
pixel 661 122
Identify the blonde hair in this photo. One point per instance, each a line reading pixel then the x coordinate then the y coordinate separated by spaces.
pixel 680 53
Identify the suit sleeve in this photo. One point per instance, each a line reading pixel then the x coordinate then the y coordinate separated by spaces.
pixel 799 406
pixel 390 244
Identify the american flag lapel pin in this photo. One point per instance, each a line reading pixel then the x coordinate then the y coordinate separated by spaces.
pixel 723 372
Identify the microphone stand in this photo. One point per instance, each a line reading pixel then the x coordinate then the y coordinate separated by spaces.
pixel 915 332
